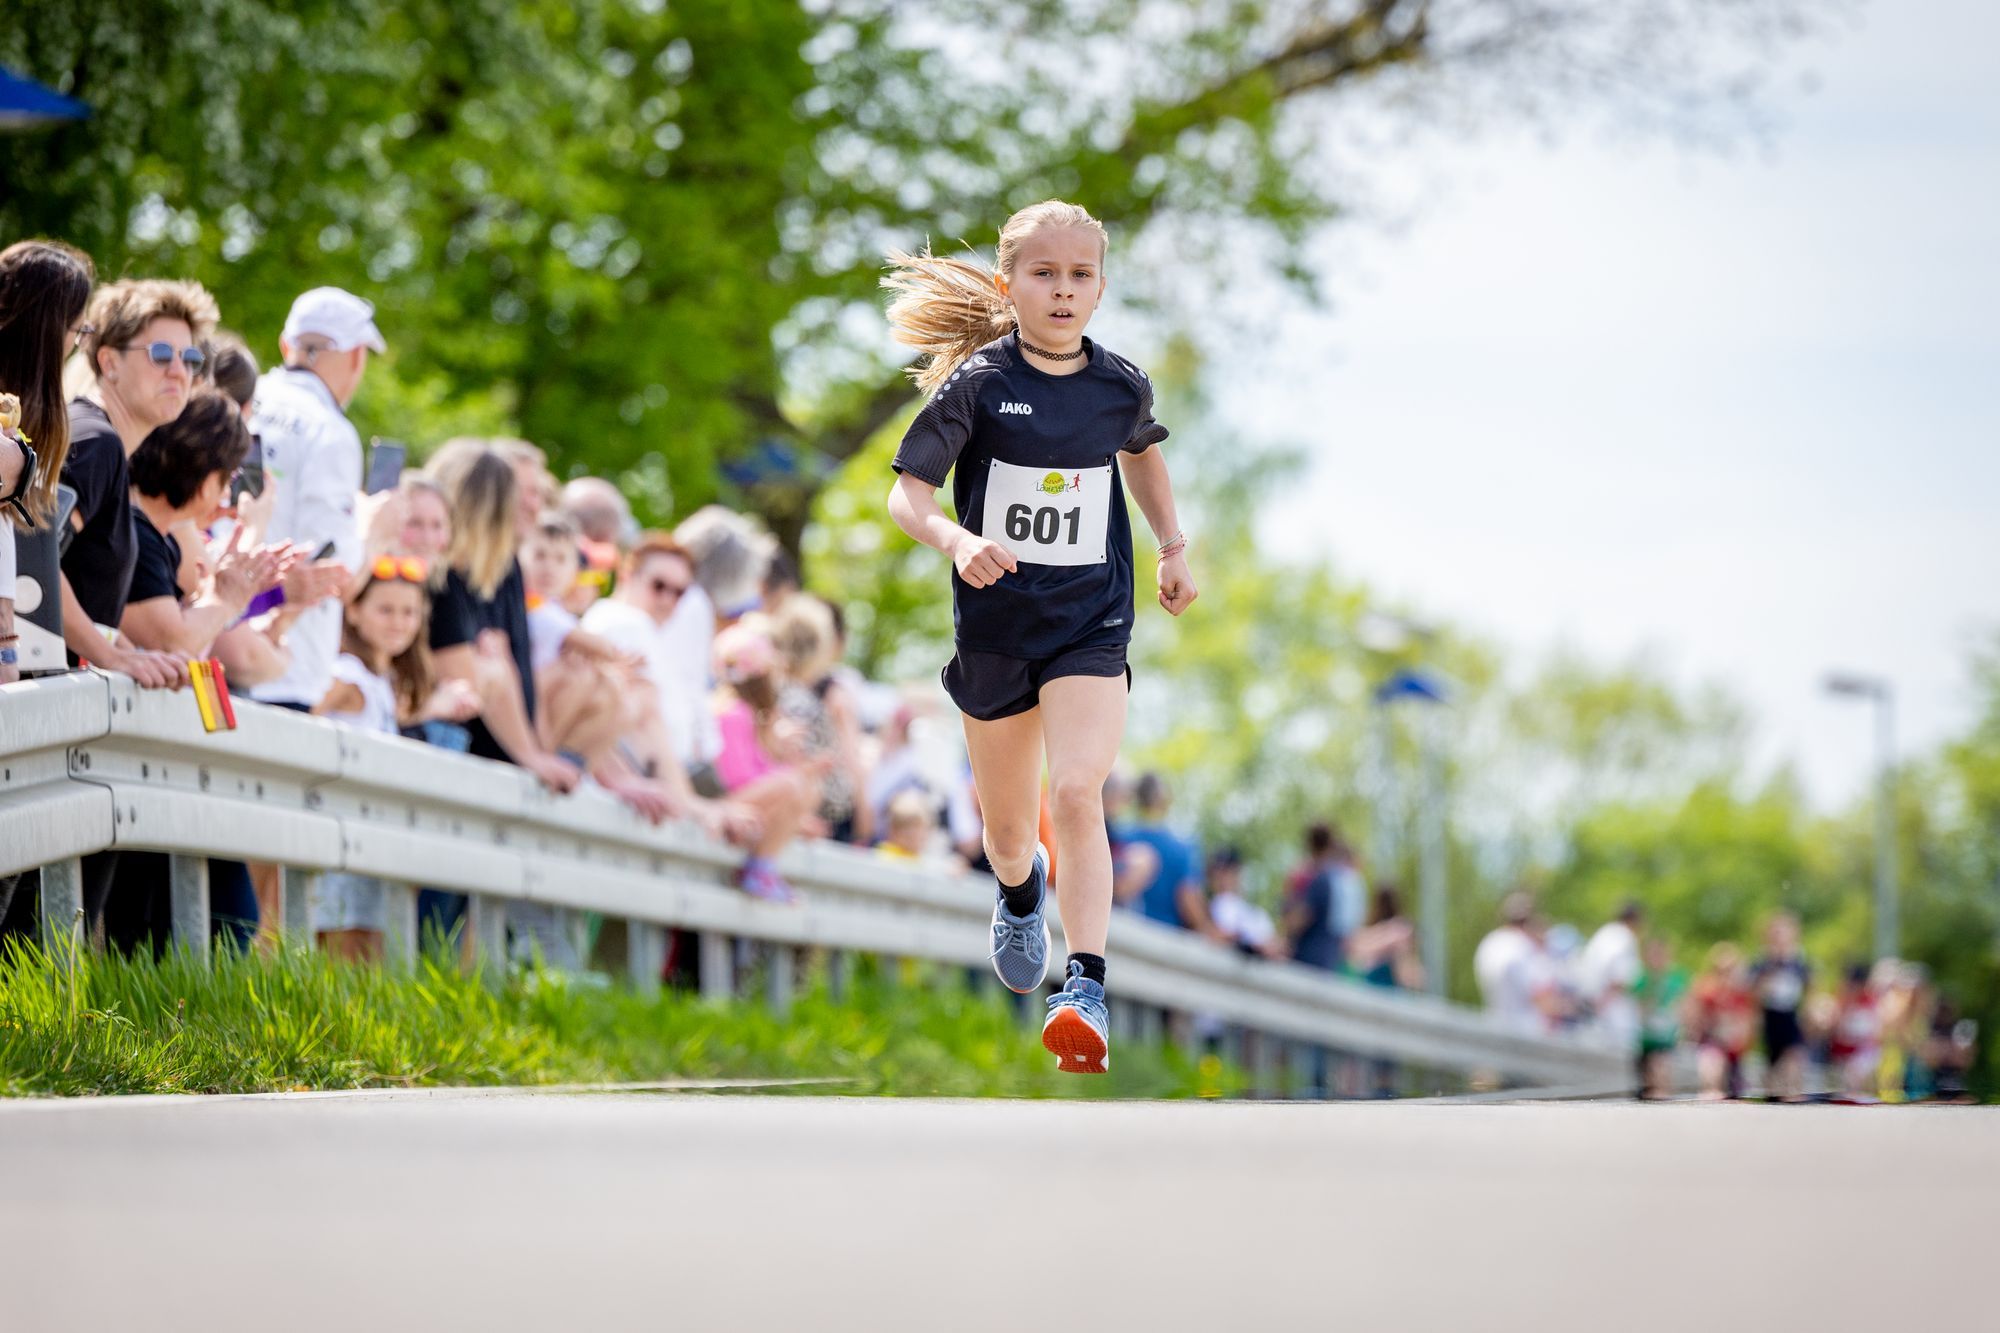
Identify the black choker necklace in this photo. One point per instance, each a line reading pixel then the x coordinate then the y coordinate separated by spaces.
pixel 1027 346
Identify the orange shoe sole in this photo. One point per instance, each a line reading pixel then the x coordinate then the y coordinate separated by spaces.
pixel 1075 1044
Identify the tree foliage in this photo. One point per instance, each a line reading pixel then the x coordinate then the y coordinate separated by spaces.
pixel 647 235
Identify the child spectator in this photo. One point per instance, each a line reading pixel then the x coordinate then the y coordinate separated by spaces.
pixel 1724 1021
pixel 1384 952
pixel 803 632
pixel 760 763
pixel 1660 992
pixel 912 827
pixel 1238 922
pixel 382 677
pixel 1781 978
pixel 1855 1047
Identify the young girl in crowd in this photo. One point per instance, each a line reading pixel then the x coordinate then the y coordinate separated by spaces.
pixel 1035 425
pixel 762 762
pixel 803 631
pixel 382 679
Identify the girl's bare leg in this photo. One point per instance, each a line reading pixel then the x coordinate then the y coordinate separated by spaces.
pixel 1007 771
pixel 1083 718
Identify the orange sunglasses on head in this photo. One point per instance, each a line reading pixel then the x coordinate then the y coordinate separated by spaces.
pixel 408 568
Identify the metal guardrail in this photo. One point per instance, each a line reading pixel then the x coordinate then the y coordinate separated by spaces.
pixel 90 762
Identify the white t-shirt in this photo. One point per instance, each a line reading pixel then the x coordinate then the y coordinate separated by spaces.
pixel 378 697
pixel 678 657
pixel 1241 920
pixel 1512 969
pixel 1610 959
pixel 312 455
pixel 548 625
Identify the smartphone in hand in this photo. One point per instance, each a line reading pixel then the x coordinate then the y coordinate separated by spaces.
pixel 385 466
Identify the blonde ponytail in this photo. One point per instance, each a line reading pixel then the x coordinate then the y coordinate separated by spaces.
pixel 946 308
pixel 950 308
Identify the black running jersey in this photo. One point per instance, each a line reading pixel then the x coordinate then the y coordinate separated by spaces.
pixel 1033 462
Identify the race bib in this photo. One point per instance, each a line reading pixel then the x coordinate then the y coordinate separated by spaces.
pixel 1048 517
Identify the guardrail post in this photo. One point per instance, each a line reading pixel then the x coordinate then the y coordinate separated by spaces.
pixel 296 889
pixel 645 955
pixel 1148 1021
pixel 486 926
pixel 838 965
pixel 401 902
pixel 718 966
pixel 187 880
pixel 783 960
pixel 62 908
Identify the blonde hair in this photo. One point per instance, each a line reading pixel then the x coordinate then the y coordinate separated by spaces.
pixel 950 308
pixel 482 494
pixel 802 632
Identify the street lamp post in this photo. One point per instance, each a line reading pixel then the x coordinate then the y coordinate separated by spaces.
pixel 1426 689
pixel 1877 689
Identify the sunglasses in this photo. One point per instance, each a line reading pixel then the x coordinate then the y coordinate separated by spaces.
pixel 662 586
pixel 82 331
pixel 408 568
pixel 163 353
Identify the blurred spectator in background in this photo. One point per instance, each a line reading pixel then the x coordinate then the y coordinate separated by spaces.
pixel 1133 864
pixel 312 465
pixel 232 367
pixel 1384 952
pixel 142 343
pixel 825 712
pixel 1854 1048
pixel 382 677
pixel 761 761
pixel 1722 1018
pixel 660 615
pixel 579 679
pixel 1953 1043
pixel 1238 922
pixel 1173 896
pixel 780 582
pixel 1661 994
pixel 424 530
pixel 731 556
pixel 1781 978
pixel 479 619
pixel 44 291
pixel 1318 913
pixel 1608 971
pixel 1903 1011
pixel 1516 976
pixel 601 513
pixel 911 827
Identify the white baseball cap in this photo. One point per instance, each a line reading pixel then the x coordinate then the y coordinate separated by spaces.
pixel 339 316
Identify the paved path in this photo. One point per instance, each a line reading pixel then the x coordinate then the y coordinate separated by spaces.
pixel 670 1212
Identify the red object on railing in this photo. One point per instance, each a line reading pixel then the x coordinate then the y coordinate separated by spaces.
pixel 222 693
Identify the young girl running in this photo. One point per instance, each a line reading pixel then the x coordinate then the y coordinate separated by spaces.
pixel 1037 425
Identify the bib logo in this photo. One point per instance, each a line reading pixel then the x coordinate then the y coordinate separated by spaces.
pixel 1017 409
pixel 1053 484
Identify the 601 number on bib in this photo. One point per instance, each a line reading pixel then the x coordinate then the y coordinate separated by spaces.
pixel 1049 517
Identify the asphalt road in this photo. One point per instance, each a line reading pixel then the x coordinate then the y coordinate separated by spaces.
pixel 662 1212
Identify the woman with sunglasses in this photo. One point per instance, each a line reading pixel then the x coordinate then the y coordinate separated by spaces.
pixel 142 340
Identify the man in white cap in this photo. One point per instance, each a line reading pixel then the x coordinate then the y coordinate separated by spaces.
pixel 312 457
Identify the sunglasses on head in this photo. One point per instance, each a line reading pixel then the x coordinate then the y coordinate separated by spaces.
pixel 408 568
pixel 163 354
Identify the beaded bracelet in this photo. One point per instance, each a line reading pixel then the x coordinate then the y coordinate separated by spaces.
pixel 1173 545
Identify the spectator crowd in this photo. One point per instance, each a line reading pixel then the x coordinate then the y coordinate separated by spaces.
pixel 207 508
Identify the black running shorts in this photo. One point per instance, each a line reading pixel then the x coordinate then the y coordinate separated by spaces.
pixel 990 686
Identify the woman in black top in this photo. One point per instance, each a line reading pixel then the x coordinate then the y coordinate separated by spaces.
pixel 1041 430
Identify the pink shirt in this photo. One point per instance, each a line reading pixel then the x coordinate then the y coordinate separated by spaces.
pixel 742 760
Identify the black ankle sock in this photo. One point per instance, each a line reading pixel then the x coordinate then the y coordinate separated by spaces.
pixel 1092 964
pixel 1022 898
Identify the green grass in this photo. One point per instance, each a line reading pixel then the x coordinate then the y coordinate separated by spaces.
pixel 297 1021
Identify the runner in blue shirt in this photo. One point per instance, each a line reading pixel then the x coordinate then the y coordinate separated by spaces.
pixel 1039 430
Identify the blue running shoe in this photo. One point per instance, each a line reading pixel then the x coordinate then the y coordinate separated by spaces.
pixel 1021 943
pixel 1078 1030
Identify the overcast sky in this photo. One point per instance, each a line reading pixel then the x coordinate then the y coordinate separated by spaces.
pixel 1742 414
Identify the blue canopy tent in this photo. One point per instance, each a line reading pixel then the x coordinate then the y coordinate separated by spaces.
pixel 25 104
